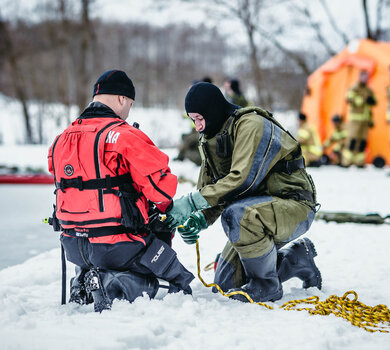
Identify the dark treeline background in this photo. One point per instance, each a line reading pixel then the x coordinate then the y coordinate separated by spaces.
pixel 56 65
pixel 57 58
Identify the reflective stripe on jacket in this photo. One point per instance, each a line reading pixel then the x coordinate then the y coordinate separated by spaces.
pixel 357 98
pixel 309 139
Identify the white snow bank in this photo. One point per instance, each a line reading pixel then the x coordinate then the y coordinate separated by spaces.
pixel 350 257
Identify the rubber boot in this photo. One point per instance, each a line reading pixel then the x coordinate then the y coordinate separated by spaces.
pixel 129 285
pixel 264 284
pixel 94 285
pixel 78 293
pixel 298 261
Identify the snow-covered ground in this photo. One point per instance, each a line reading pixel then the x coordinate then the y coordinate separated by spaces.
pixel 350 257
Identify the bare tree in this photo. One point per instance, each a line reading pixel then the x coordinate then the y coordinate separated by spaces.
pixel 381 8
pixel 7 50
pixel 367 20
pixel 333 22
pixel 82 65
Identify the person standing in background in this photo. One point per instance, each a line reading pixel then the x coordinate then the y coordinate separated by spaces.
pixel 360 99
pixel 234 94
pixel 336 140
pixel 308 137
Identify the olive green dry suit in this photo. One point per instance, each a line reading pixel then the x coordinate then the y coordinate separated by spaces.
pixel 253 175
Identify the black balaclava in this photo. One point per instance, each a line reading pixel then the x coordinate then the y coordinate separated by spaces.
pixel 208 100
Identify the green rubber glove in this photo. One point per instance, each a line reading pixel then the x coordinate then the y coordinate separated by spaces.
pixel 183 207
pixel 191 228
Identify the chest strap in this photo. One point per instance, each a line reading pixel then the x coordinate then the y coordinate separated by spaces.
pixel 288 166
pixel 106 183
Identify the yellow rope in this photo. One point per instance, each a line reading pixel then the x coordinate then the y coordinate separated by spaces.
pixel 371 319
pixel 209 267
pixel 208 285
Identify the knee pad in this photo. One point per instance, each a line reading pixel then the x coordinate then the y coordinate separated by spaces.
pixel 162 261
pixel 158 257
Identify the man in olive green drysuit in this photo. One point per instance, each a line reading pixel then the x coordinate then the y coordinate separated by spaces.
pixel 253 175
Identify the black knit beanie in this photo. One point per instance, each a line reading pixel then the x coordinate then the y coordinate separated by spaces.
pixel 208 100
pixel 114 82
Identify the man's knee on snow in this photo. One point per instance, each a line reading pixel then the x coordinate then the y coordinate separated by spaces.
pixel 128 285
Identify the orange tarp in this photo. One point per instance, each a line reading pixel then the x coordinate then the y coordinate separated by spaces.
pixel 328 86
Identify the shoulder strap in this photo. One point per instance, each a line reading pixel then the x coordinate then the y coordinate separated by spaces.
pixel 262 112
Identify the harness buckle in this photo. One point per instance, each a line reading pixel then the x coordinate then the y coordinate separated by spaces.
pixel 80 183
pixel 61 185
pixel 108 182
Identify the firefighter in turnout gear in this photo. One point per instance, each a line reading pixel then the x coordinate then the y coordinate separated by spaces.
pixel 360 99
pixel 253 176
pixel 310 142
pixel 112 182
pixel 336 140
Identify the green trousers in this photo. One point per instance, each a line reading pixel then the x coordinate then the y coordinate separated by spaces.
pixel 254 225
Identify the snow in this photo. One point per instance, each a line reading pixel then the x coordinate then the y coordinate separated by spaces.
pixel 350 257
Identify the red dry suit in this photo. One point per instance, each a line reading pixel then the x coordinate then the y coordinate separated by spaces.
pixel 92 161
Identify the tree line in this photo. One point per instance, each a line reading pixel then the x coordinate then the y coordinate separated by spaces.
pixel 58 58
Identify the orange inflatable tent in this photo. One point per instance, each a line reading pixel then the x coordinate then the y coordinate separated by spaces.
pixel 328 85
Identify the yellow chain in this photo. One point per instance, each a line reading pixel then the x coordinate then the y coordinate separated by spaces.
pixel 354 311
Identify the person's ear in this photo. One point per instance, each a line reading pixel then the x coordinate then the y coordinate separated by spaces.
pixel 121 100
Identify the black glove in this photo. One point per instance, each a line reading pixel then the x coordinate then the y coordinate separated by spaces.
pixel 160 228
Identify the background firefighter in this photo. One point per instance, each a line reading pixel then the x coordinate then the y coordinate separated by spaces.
pixel 109 176
pixel 336 142
pixel 253 175
pixel 360 99
pixel 310 142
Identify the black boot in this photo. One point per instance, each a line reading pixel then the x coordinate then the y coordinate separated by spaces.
pixel 264 284
pixel 78 294
pixel 129 285
pixel 94 285
pixel 298 261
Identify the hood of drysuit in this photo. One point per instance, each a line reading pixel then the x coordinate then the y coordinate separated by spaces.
pixel 208 100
